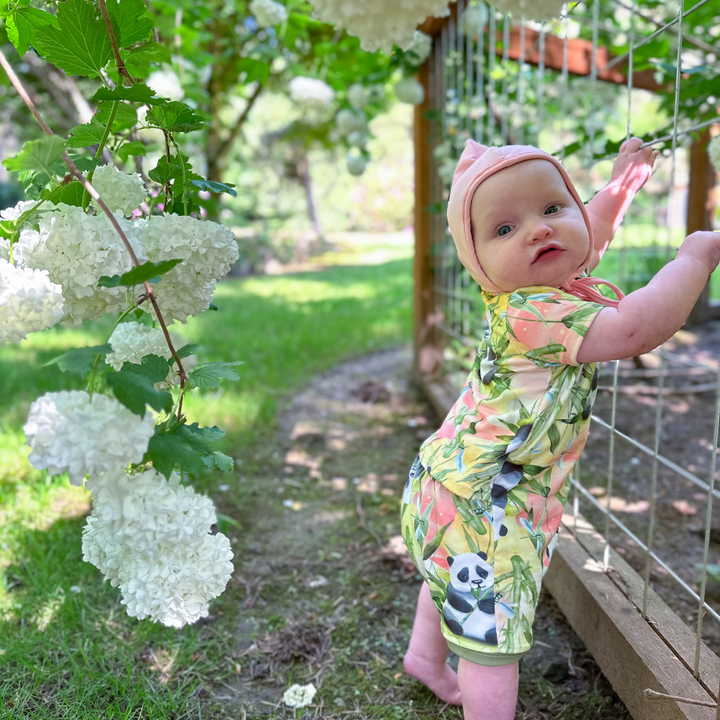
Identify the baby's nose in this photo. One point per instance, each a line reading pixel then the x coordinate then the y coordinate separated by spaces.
pixel 540 231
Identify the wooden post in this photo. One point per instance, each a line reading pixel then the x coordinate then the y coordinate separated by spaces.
pixel 701 203
pixel 425 342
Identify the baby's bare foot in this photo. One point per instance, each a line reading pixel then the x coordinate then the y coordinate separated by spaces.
pixel 443 681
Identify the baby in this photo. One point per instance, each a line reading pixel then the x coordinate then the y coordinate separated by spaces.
pixel 485 496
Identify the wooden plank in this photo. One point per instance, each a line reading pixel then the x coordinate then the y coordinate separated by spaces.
pixel 701 204
pixel 440 394
pixel 426 355
pixel 662 620
pixel 630 654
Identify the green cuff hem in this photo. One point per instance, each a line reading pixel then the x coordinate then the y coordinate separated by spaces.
pixel 481 658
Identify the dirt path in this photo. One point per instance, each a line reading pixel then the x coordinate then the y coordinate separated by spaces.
pixel 327 592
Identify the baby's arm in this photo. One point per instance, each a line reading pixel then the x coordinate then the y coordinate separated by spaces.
pixel 630 172
pixel 648 317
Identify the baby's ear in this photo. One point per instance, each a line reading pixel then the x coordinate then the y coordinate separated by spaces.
pixel 482 555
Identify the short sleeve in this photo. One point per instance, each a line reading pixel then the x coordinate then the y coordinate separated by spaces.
pixel 549 325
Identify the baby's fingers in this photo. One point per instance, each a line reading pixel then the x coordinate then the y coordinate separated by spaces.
pixel 631 145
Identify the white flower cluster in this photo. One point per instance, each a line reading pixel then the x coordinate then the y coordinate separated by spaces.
pixel 355 163
pixel 166 84
pixel 118 190
pixel 714 152
pixel 12 213
pixel 474 20
pixel 410 91
pixel 379 24
pixel 28 302
pixel 131 342
pixel 151 538
pixel 299 696
pixel 357 96
pixel 77 249
pixel 268 12
pixel 310 93
pixel 68 431
pixel 530 9
pixel 348 121
pixel 420 47
pixel 208 251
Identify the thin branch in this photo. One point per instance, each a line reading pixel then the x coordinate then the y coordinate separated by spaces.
pixel 122 70
pixel 17 84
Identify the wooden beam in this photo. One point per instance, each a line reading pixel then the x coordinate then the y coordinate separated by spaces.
pixel 630 653
pixel 424 333
pixel 700 208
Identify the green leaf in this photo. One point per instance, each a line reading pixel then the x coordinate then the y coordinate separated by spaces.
pixel 85 135
pixel 139 59
pixel 38 156
pixel 139 274
pixel 125 115
pixel 186 351
pixel 130 20
pixel 203 440
pixel 223 462
pixel 165 451
pixel 174 117
pixel 256 70
pixel 133 148
pixel 210 375
pixel 153 367
pixel 212 186
pixel 71 194
pixel 79 43
pixel 139 92
pixel 224 522
pixel 21 23
pixel 135 390
pixel 80 360
pixel 165 170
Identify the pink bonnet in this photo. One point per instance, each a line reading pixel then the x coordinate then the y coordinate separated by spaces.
pixel 477 163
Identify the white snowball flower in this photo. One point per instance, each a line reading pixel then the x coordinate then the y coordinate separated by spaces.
pixel 530 9
pixel 4 249
pixel 474 20
pixel 13 213
pixel 268 12
pixel 151 538
pixel 311 93
pixel 77 249
pixel 379 24
pixel 208 251
pixel 410 91
pixel 299 696
pixel 348 121
pixel 355 164
pixel 68 431
pixel 357 139
pixel 119 190
pixel 421 47
pixel 166 84
pixel 29 302
pixel 714 152
pixel 357 96
pixel 131 342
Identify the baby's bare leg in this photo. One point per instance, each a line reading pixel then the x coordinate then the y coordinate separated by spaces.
pixel 427 652
pixel 488 693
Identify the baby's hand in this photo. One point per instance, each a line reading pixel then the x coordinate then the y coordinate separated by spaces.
pixel 704 246
pixel 633 166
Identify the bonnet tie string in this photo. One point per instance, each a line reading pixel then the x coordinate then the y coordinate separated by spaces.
pixel 583 288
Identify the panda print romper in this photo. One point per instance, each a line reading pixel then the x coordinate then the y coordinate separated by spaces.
pixel 485 497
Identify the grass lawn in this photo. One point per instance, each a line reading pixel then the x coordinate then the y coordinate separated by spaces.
pixel 67 648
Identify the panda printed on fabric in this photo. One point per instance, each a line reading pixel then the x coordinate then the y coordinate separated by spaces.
pixel 469 608
pixel 509 476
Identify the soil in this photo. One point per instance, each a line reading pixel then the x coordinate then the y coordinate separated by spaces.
pixel 688 415
pixel 327 591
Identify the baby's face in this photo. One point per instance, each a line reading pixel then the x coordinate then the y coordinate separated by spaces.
pixel 527 228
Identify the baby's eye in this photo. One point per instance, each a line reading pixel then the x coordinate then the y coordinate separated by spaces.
pixel 552 209
pixel 504 230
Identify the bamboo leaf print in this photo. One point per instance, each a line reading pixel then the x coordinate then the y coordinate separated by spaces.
pixel 554 437
pixel 551 349
pixel 434 544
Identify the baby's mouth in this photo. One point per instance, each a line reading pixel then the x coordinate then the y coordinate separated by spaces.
pixel 549 252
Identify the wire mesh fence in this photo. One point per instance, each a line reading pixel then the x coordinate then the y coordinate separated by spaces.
pixel 577 90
